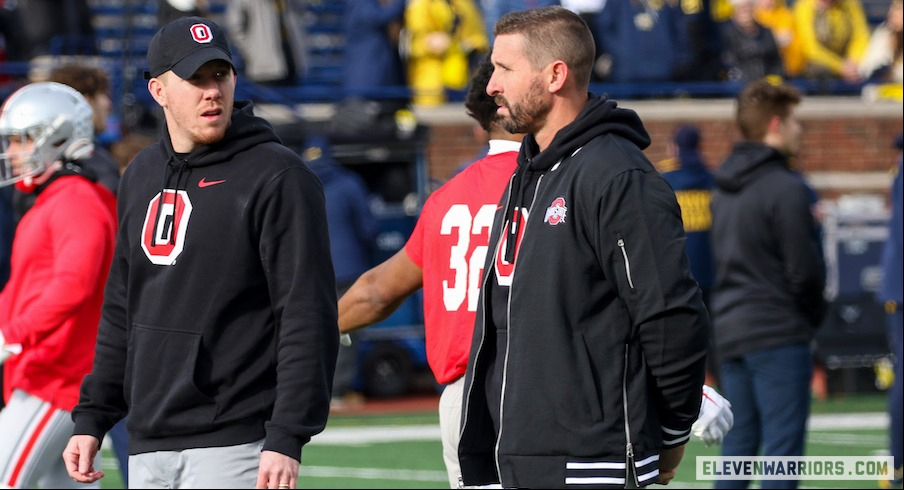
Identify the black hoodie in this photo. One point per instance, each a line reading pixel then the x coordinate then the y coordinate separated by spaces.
pixel 607 331
pixel 770 275
pixel 219 321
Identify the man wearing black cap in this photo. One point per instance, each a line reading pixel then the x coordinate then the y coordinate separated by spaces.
pixel 218 334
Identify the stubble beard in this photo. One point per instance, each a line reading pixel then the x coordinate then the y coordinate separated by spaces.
pixel 525 116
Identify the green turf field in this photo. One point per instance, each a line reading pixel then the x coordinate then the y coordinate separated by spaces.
pixel 404 451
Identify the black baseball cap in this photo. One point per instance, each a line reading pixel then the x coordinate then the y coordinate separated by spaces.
pixel 184 45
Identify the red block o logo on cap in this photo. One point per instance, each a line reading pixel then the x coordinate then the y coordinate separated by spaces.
pixel 201 33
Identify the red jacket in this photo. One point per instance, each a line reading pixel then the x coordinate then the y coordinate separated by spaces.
pixel 51 305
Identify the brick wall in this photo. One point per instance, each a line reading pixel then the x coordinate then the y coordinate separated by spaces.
pixel 847 144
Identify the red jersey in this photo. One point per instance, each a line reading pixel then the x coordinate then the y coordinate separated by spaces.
pixel 51 305
pixel 449 243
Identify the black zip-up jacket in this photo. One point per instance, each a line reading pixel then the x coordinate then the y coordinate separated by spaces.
pixel 607 332
pixel 770 274
pixel 219 320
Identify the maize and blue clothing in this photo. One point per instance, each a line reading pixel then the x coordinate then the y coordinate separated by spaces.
pixel 630 31
pixel 693 185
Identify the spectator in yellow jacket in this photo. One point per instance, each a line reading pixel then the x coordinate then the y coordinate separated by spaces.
pixel 834 34
pixel 443 37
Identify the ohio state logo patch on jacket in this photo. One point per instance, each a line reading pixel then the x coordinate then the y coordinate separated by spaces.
pixel 555 213
pixel 163 233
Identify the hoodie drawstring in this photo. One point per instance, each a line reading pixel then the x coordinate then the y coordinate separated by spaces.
pixel 182 166
pixel 162 202
pixel 516 203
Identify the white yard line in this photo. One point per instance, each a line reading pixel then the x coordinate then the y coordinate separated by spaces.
pixel 372 473
pixel 847 421
pixel 369 435
pixel 375 434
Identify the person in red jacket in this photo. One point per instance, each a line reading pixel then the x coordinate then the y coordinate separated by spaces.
pixel 50 308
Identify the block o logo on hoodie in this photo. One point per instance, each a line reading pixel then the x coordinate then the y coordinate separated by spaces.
pixel 163 233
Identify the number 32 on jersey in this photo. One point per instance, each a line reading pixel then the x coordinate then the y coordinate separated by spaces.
pixel 467 255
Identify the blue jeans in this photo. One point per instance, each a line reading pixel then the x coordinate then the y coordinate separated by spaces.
pixel 896 394
pixel 769 391
pixel 120 439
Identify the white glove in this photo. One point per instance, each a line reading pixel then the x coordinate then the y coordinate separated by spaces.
pixel 7 350
pixel 716 418
pixel 4 351
pixel 345 339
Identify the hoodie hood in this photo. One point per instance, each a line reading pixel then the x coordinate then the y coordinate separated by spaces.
pixel 746 163
pixel 600 116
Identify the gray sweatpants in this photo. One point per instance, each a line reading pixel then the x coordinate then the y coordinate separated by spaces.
pixel 33 435
pixel 209 467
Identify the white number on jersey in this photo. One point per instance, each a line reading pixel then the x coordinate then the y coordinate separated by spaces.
pixel 467 269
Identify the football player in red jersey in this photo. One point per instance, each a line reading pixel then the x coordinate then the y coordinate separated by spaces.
pixel 50 309
pixel 444 256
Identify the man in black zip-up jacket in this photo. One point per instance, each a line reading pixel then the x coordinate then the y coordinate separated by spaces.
pixel 588 352
pixel 218 331
pixel 768 293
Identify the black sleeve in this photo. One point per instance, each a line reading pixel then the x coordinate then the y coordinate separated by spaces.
pixel 295 253
pixel 666 305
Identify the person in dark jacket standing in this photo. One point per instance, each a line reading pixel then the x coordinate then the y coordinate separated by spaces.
pixel 693 183
pixel 768 295
pixel 588 351
pixel 891 294
pixel 218 330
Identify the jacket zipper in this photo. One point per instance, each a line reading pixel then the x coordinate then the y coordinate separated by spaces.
pixel 486 280
pixel 621 245
pixel 629 447
pixel 508 319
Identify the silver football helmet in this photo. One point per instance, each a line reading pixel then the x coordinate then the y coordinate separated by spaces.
pixel 51 122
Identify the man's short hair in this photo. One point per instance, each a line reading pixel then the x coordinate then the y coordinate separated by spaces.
pixel 759 102
pixel 87 79
pixel 553 33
